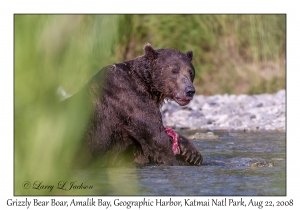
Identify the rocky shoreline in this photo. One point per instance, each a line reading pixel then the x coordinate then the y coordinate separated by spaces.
pixel 264 112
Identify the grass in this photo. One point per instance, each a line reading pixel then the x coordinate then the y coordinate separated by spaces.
pixel 228 49
pixel 53 51
pixel 232 54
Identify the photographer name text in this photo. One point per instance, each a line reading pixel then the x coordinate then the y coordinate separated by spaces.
pixel 62 185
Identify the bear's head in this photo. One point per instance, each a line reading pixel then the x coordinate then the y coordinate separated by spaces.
pixel 172 73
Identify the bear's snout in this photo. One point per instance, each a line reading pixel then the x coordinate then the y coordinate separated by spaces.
pixel 189 91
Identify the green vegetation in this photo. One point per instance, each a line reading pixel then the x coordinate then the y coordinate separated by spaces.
pixel 232 54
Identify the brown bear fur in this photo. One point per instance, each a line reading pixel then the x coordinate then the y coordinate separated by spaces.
pixel 125 100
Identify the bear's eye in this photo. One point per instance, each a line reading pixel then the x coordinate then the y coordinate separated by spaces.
pixel 191 74
pixel 175 71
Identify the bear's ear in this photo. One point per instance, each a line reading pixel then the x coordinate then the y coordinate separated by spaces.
pixel 189 54
pixel 150 52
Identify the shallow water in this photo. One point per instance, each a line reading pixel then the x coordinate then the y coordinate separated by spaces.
pixel 235 164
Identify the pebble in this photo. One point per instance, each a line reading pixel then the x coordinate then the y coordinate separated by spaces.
pixel 264 112
pixel 208 135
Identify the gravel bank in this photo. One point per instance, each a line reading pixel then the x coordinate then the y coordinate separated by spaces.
pixel 228 112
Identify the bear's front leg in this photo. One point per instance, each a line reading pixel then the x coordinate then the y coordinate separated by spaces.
pixel 184 147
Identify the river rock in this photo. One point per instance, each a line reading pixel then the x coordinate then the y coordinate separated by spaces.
pixel 208 135
pixel 228 112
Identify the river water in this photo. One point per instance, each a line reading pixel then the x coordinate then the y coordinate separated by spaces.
pixel 240 163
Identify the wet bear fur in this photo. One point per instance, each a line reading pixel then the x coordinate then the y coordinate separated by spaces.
pixel 124 100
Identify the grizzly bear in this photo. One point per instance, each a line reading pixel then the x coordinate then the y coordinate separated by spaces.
pixel 125 100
